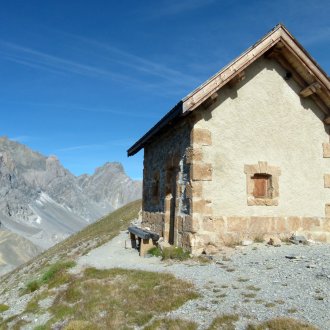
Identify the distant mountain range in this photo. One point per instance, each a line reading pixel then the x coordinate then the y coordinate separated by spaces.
pixel 41 202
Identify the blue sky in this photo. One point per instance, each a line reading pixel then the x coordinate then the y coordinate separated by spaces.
pixel 85 79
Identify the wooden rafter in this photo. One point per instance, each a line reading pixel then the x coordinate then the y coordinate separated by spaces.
pixel 311 89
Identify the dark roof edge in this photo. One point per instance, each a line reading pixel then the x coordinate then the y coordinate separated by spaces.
pixel 173 114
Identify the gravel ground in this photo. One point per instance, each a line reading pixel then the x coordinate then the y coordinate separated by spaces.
pixel 257 282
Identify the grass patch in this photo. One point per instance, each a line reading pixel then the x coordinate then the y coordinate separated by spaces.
pixel 33 305
pixel 226 322
pixel 171 324
pixel 40 327
pixel 281 323
pixel 248 294
pixel 80 325
pixel 172 252
pixel 252 288
pixel 56 268
pixel 204 260
pixel 175 253
pixel 32 286
pixel 221 295
pixel 270 305
pixel 258 239
pixel 292 310
pixel 3 308
pixel 118 298
pixel 54 275
pixel 230 270
pixel 155 251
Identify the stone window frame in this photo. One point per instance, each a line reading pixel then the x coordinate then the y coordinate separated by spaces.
pixel 262 168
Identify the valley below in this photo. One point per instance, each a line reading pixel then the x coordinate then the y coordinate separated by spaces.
pixel 42 203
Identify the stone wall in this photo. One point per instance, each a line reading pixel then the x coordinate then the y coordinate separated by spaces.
pixel 222 230
pixel 165 178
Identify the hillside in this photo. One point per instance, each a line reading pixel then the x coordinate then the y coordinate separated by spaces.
pixel 44 203
pixel 38 290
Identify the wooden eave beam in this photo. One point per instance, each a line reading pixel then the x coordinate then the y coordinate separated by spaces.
pixel 311 89
pixel 235 80
pixel 212 99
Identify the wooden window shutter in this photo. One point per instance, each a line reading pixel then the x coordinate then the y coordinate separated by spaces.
pixel 261 183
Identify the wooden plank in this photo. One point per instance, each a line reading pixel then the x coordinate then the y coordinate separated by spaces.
pixel 235 80
pixel 311 89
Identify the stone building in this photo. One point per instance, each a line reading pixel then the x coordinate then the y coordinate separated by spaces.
pixel 246 154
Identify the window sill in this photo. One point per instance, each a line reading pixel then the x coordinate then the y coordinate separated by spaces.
pixel 262 201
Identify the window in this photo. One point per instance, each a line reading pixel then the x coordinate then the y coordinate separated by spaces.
pixel 262 184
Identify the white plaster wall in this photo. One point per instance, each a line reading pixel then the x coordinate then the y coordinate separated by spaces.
pixel 264 119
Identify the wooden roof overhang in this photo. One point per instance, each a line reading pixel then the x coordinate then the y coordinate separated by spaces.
pixel 279 45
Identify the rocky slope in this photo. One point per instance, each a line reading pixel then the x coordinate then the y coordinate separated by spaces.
pixel 43 202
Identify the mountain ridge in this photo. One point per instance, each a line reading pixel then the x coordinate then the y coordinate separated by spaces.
pixel 44 202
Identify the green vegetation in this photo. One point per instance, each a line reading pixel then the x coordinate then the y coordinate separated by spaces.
pixel 115 298
pixel 230 270
pixel 79 325
pixel 270 305
pixel 259 239
pixel 54 275
pixel 292 310
pixel 155 251
pixel 281 323
pixel 3 307
pixel 170 253
pixel 225 322
pixel 32 286
pixel 170 324
pixel 253 288
pixel 56 268
pixel 175 253
pixel 33 305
